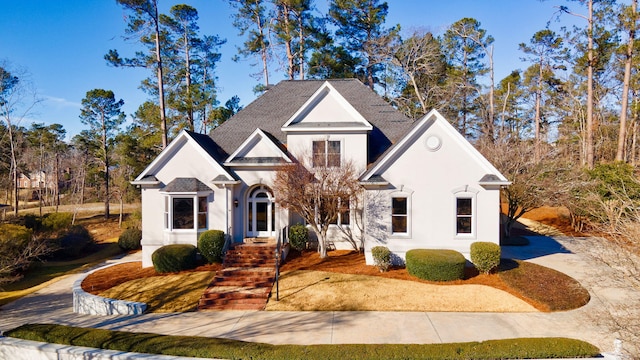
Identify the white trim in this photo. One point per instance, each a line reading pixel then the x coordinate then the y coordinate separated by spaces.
pixel 466 192
pixel 423 125
pixel 182 138
pixel 249 141
pixel 326 89
pixel 407 194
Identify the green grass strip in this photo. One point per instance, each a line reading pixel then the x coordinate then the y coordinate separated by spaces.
pixel 522 348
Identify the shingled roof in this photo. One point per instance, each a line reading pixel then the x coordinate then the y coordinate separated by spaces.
pixel 271 111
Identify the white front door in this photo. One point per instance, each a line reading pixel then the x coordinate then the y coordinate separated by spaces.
pixel 260 213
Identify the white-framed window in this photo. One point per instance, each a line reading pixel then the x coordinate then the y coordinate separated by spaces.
pixel 186 212
pixel 326 153
pixel 344 216
pixel 465 212
pixel 464 215
pixel 400 215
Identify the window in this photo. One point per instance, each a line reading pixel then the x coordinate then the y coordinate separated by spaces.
pixel 464 215
pixel 326 153
pixel 202 212
pixel 183 213
pixel 186 212
pixel 344 215
pixel 399 215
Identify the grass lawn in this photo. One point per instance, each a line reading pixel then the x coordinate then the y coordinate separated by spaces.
pixel 523 348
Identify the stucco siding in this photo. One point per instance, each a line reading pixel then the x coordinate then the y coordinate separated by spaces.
pixel 431 179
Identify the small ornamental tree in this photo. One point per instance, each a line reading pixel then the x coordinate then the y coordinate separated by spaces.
pixel 318 194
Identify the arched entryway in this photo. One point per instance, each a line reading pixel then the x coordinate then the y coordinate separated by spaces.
pixel 260 212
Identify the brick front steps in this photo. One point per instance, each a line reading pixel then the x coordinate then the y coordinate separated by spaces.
pixel 245 281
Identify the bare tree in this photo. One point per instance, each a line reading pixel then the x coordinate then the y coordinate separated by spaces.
pixel 17 100
pixel 630 21
pixel 318 194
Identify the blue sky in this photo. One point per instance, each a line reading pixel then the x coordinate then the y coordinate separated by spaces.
pixel 61 44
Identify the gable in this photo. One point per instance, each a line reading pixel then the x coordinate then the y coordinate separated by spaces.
pixel 258 148
pixel 434 148
pixel 326 110
pixel 189 154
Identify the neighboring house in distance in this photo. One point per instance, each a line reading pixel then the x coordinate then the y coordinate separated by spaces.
pixel 424 185
pixel 35 180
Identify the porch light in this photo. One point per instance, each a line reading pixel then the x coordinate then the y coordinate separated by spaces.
pixel 235 202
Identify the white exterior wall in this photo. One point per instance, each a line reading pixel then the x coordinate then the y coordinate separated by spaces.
pixel 353 146
pixel 431 180
pixel 187 161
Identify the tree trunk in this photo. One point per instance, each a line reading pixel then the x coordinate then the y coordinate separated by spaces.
pixel 590 151
pixel 159 72
pixel 622 134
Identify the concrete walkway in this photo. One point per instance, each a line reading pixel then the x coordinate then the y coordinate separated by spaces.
pixel 53 304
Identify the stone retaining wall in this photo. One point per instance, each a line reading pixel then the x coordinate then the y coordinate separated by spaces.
pixel 17 349
pixel 89 304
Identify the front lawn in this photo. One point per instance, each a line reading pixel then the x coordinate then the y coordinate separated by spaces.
pixel 306 280
pixel 523 348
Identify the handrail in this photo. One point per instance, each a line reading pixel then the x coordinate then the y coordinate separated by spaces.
pixel 227 241
pixel 277 275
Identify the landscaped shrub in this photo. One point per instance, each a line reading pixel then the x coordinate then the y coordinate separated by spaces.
pixel 435 265
pixel 485 256
pixel 211 245
pixel 381 257
pixel 13 239
pixel 57 221
pixel 174 258
pixel 130 239
pixel 74 242
pixel 298 237
pixel 32 221
pixel 134 220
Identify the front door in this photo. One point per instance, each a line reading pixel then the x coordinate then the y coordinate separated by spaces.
pixel 261 213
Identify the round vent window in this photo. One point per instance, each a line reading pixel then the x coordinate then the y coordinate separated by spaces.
pixel 433 143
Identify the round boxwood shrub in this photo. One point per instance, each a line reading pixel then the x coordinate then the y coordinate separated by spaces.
pixel 381 257
pixel 130 239
pixel 174 258
pixel 485 256
pixel 211 245
pixel 435 265
pixel 73 243
pixel 298 237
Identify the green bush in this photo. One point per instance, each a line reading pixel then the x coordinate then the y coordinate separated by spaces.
pixel 193 346
pixel 298 237
pixel 485 256
pixel 57 221
pixel 435 265
pixel 211 245
pixel 130 239
pixel 14 238
pixel 174 258
pixel 134 220
pixel 381 257
pixel 74 242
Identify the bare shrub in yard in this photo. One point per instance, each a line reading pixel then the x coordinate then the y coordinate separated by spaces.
pixel 18 248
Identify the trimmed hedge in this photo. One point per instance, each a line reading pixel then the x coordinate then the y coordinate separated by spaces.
pixel 381 257
pixel 130 239
pixel 522 348
pixel 211 245
pixel 435 265
pixel 485 256
pixel 174 258
pixel 298 237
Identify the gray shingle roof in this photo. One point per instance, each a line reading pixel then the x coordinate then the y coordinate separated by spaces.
pixel 272 110
pixel 179 185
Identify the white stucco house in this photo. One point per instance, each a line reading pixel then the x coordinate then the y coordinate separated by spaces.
pixel 425 186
